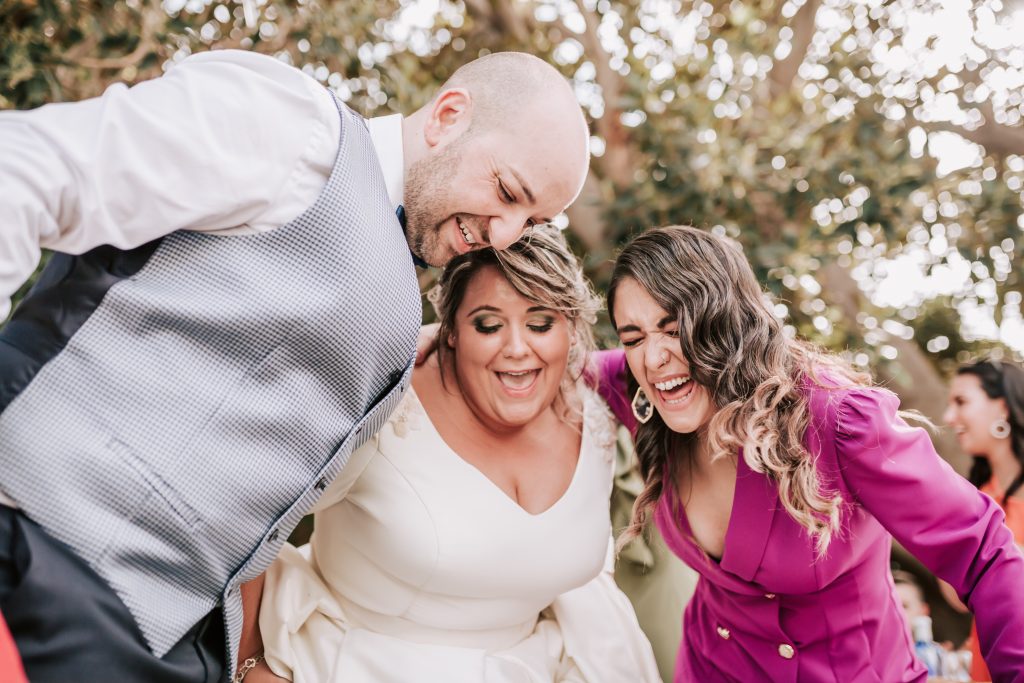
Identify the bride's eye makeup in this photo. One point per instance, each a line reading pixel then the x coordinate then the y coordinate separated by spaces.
pixel 485 324
pixel 542 324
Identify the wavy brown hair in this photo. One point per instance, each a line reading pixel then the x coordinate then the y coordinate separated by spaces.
pixel 755 374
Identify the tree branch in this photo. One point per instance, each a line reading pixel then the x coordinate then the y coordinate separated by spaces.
pixel 616 164
pixel 996 138
pixel 784 71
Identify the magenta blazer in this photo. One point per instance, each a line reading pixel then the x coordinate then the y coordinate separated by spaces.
pixel 770 611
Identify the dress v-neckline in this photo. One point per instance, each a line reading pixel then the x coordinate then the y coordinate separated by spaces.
pixel 584 442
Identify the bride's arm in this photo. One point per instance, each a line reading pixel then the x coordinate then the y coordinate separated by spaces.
pixel 250 643
pixel 601 631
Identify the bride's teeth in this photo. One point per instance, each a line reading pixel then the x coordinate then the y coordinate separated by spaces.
pixel 517 380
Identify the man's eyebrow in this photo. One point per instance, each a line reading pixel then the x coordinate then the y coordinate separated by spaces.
pixel 627 328
pixel 526 188
pixel 667 320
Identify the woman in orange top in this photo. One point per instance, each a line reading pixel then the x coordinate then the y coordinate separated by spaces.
pixel 986 410
pixel 10 663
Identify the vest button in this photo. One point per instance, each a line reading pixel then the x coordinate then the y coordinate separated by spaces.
pixel 273 536
pixel 321 484
pixel 724 632
pixel 786 651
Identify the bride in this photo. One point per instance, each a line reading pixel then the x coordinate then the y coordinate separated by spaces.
pixel 469 540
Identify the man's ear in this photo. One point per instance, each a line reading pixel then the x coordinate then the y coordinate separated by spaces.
pixel 449 117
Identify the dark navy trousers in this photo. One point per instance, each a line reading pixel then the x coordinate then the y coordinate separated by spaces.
pixel 69 625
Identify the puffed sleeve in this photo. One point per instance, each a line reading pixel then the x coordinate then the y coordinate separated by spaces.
pixel 607 374
pixel 893 471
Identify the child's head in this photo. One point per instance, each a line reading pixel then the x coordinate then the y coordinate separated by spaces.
pixel 911 595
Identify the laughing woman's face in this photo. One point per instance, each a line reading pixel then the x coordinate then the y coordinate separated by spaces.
pixel 650 336
pixel 510 353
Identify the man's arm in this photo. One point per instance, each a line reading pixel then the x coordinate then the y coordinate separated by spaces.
pixel 223 140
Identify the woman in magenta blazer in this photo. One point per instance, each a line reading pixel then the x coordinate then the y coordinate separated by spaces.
pixel 781 476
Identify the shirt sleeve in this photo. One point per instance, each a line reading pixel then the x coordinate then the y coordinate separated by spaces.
pixel 607 374
pixel 893 471
pixel 224 140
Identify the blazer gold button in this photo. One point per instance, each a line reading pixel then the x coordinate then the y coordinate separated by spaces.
pixel 770 596
pixel 724 632
pixel 786 651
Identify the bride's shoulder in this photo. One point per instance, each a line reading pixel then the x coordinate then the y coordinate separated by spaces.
pixel 598 421
pixel 410 415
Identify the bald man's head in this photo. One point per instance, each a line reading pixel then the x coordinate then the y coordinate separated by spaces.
pixel 506 84
pixel 503 144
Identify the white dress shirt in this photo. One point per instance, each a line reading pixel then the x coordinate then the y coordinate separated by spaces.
pixel 227 141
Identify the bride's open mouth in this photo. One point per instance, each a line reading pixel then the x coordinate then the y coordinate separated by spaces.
pixel 518 380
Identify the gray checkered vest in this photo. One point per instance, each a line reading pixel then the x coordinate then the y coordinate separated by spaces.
pixel 201 409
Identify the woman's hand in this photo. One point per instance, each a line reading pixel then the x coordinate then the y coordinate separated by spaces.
pixel 426 342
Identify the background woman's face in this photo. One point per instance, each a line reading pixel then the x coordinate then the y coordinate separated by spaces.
pixel 970 413
pixel 510 353
pixel 650 336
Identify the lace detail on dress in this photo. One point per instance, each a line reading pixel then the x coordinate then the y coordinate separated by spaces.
pixel 409 414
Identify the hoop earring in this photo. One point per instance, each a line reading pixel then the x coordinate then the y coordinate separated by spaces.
pixel 1000 429
pixel 643 411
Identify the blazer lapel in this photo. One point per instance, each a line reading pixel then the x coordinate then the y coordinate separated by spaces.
pixel 753 510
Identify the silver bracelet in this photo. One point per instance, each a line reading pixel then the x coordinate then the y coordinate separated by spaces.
pixel 247 666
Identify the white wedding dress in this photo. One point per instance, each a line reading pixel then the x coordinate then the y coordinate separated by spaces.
pixel 422 569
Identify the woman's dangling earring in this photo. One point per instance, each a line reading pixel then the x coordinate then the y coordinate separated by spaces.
pixel 1000 429
pixel 642 408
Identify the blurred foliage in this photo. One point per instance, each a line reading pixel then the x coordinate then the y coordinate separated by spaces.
pixel 800 128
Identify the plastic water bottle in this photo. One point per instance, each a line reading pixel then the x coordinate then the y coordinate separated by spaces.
pixel 924 644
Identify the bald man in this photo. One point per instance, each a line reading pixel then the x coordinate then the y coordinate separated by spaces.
pixel 231 311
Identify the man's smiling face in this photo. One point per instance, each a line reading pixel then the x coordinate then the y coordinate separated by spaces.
pixel 485 189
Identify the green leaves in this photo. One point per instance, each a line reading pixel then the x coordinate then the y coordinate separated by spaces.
pixel 801 131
